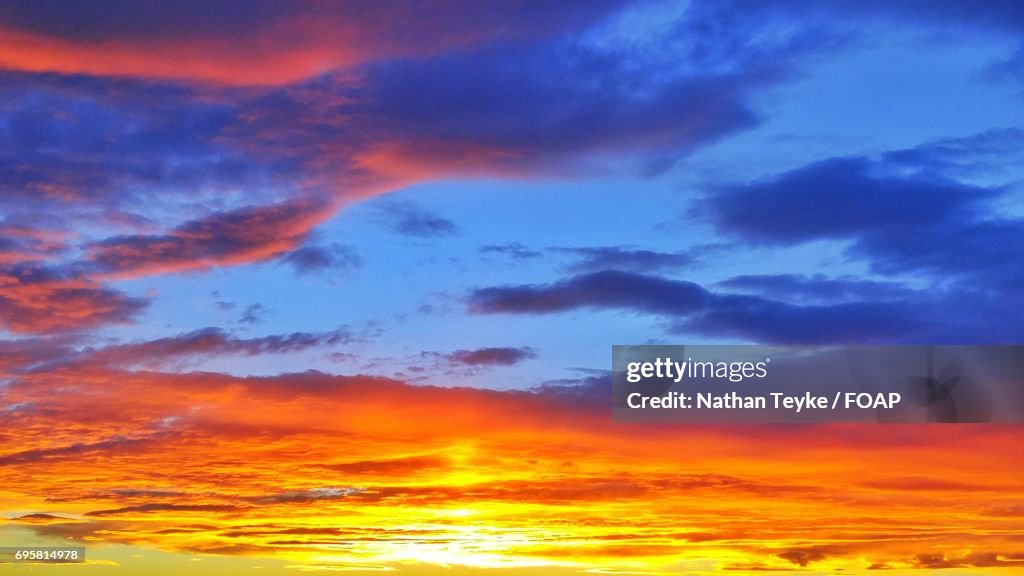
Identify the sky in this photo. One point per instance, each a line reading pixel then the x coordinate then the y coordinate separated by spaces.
pixel 331 286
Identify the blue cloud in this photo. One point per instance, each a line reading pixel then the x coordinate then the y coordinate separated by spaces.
pixel 898 222
pixel 692 309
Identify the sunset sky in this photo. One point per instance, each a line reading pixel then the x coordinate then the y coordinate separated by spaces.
pixel 305 286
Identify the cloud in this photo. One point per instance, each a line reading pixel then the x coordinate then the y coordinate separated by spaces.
pixel 244 235
pixel 493 356
pixel 898 223
pixel 158 507
pixel 153 118
pixel 130 493
pixel 597 258
pixel 985 153
pixel 39 299
pixel 395 466
pixel 335 257
pixel 41 518
pixel 475 112
pixel 692 309
pixel 21 244
pixel 513 250
pixel 838 198
pixel 605 289
pixel 408 219
pixel 985 14
pixel 26 355
pixel 27 352
pixel 225 173
pixel 594 390
pixel 1009 69
pixel 253 314
pixel 816 288
pixel 108 446
pixel 927 484
pixel 980 250
pixel 310 495
pixel 802 557
pixel 832 23
pixel 209 342
pixel 622 258
pixel 515 112
pixel 430 367
pixel 123 146
pixel 553 106
pixel 113 142
pixel 770 321
pixel 379 456
pixel 267 43
pixel 225 306
pixel 972 560
pixel 262 42
pixel 516 91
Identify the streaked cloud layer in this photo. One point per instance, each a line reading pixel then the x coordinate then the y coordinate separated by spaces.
pixel 330 286
pixel 368 473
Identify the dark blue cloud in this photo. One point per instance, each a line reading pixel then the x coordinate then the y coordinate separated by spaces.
pixel 985 252
pixel 253 314
pixel 837 199
pixel 136 20
pixel 408 219
pixel 898 222
pixel 413 21
pixel 631 259
pixel 605 289
pixel 83 141
pixel 529 107
pixel 817 288
pixel 599 258
pixel 315 258
pixel 594 389
pixel 506 108
pixel 763 320
pixel 1001 16
pixel 492 356
pixel 1010 68
pixel 985 154
pixel 691 309
pixel 514 250
pixel 205 343
pixel 45 354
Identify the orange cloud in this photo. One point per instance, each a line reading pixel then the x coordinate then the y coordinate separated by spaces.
pixel 36 298
pixel 213 60
pixel 244 235
pixel 259 43
pixel 76 295
pixel 370 473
